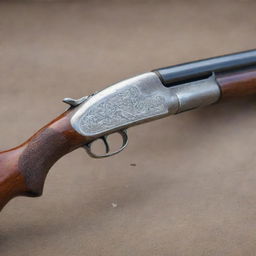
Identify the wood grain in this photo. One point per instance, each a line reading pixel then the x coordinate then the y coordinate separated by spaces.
pixel 23 169
pixel 237 84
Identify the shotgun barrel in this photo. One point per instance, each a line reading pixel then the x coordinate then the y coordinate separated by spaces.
pixel 191 71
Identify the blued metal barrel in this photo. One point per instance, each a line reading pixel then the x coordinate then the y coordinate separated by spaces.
pixel 191 71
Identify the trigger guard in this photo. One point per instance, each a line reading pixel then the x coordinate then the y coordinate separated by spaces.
pixel 124 136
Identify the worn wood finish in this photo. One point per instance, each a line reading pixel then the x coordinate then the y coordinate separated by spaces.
pixel 23 169
pixel 237 84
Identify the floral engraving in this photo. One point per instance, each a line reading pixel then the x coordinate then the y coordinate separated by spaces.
pixel 120 109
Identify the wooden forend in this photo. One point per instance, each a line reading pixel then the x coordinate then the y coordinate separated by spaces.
pixel 237 84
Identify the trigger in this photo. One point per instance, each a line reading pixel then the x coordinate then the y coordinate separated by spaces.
pixel 124 136
pixel 104 139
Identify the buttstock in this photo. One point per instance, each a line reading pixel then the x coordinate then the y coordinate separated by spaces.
pixel 23 169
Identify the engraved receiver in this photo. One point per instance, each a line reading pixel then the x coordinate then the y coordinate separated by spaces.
pixel 137 100
pixel 153 95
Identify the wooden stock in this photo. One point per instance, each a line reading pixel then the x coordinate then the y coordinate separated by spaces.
pixel 237 84
pixel 23 169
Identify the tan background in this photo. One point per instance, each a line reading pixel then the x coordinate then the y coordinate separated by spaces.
pixel 193 189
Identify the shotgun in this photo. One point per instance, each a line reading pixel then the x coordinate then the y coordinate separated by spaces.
pixel 137 100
